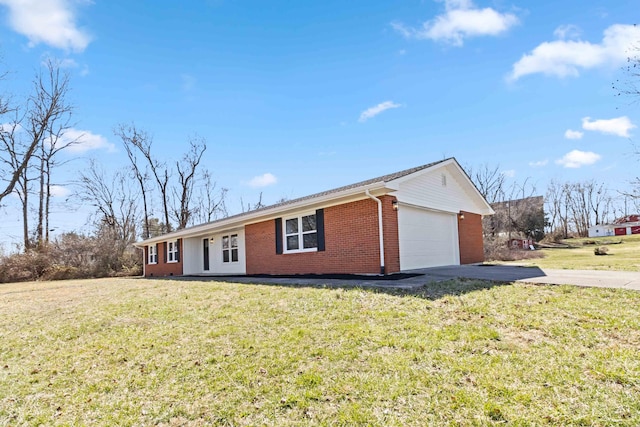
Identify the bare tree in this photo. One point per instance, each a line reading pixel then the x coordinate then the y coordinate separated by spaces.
pixel 557 199
pixel 186 170
pixel 629 86
pixel 159 170
pixel 576 206
pixel 22 186
pixel 252 207
pixel 34 133
pixel 133 138
pixel 116 206
pixel 489 181
pixel 211 200
pixel 51 88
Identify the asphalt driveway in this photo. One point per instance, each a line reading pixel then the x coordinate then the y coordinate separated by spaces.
pixel 499 273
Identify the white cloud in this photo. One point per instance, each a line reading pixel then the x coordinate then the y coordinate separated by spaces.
pixel 59 191
pixel 539 163
pixel 51 22
pixel 568 31
pixel 9 127
pixel 509 173
pixel 263 180
pixel 68 63
pixel 573 134
pixel 374 111
pixel 85 141
pixel 461 20
pixel 619 126
pixel 562 58
pixel 576 158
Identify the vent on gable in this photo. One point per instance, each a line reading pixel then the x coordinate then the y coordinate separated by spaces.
pixel 444 180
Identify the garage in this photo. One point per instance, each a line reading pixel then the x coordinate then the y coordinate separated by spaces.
pixel 427 238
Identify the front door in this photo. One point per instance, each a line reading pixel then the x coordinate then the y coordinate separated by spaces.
pixel 205 254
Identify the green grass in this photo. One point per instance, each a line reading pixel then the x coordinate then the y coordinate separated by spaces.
pixel 188 353
pixel 579 256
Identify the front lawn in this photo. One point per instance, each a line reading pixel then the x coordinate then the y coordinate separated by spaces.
pixel 623 255
pixel 189 353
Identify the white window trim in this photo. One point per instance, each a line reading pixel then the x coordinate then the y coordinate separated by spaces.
pixel 172 251
pixel 231 248
pixel 300 234
pixel 153 254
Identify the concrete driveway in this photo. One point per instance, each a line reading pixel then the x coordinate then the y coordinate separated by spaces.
pixel 499 273
pixel 508 273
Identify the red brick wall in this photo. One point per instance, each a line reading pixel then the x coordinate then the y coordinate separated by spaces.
pixel 351 243
pixel 470 238
pixel 163 268
pixel 390 231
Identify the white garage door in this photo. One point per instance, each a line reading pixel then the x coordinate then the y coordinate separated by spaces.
pixel 427 238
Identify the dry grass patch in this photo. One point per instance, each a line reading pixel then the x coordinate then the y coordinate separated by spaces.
pixel 156 352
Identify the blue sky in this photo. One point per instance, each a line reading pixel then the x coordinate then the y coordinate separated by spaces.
pixel 299 97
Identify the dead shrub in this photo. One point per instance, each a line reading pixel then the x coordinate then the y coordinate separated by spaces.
pixel 496 249
pixel 601 250
pixel 71 256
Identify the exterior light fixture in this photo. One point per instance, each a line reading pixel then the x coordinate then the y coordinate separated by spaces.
pixel 394 204
pixel 461 215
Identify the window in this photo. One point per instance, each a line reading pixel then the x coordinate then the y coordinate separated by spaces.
pixel 230 248
pixel 153 254
pixel 300 234
pixel 172 251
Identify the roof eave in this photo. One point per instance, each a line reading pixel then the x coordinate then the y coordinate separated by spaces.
pixel 376 188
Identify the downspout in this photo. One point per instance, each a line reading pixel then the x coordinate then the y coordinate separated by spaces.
pixel 381 237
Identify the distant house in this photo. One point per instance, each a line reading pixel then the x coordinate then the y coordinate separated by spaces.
pixel 521 244
pixel 623 226
pixel 426 216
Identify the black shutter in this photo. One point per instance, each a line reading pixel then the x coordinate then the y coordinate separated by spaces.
pixel 165 244
pixel 278 235
pixel 178 243
pixel 146 255
pixel 320 228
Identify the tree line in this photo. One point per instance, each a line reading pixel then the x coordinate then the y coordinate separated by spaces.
pixel 569 208
pixel 150 196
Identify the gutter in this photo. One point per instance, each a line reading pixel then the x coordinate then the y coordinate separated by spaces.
pixel 380 231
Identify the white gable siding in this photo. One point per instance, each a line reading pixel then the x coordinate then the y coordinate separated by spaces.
pixel 427 190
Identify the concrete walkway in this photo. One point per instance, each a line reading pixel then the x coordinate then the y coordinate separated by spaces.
pixel 499 273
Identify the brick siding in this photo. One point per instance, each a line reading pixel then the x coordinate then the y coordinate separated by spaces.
pixel 351 239
pixel 470 238
pixel 163 268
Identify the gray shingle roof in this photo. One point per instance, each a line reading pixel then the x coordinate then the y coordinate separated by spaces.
pixel 383 178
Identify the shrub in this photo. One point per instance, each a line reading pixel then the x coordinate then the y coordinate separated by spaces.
pixel 71 256
pixel 496 249
pixel 602 250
